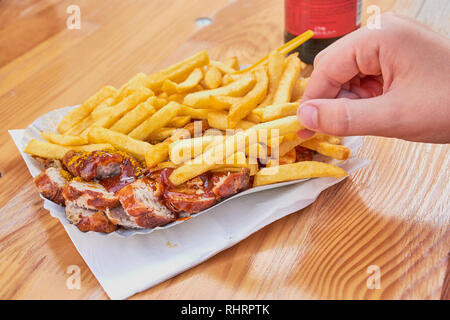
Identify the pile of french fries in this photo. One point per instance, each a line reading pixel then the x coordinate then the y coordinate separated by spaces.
pixel 249 115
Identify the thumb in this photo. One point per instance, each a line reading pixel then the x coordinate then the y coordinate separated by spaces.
pixel 349 117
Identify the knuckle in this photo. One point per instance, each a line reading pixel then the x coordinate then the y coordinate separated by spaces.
pixel 340 122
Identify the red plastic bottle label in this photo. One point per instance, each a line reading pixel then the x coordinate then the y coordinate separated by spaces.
pixel 327 18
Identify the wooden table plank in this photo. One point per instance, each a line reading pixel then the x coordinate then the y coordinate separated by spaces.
pixel 393 214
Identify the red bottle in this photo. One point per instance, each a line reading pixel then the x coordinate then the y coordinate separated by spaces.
pixel 329 19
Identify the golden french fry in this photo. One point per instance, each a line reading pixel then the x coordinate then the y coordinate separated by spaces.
pixel 222 102
pixel 275 70
pixel 222 66
pixel 253 117
pixel 198 114
pixel 45 149
pixel 165 164
pixel 178 71
pixel 218 120
pixel 289 144
pixel 138 81
pixel 156 154
pixel 191 82
pixel 213 77
pixel 158 120
pixel 276 111
pixel 63 140
pixel 177 97
pixel 232 62
pixel 157 102
pixel 119 141
pixel 238 88
pixel 93 147
pixel 100 113
pixel 186 149
pixel 123 107
pixel 163 95
pixel 235 143
pixel 134 118
pixel 161 134
pixel 102 109
pixel 241 109
pixel 179 121
pixel 81 126
pixel 335 151
pixel 290 75
pixel 83 111
pixel 289 157
pixel 296 171
pixel 231 77
pixel 299 88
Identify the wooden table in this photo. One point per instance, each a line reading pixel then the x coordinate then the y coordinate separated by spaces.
pixel 393 214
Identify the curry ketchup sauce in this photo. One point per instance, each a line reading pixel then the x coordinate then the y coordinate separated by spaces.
pixel 127 175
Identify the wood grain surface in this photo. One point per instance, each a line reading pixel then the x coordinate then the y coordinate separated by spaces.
pixel 394 214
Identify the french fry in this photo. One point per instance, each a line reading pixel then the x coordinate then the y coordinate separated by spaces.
pixel 161 134
pixel 93 147
pixel 45 149
pixel 102 109
pixel 222 102
pixel 165 164
pixel 123 107
pixel 183 150
pixel 178 71
pixel 222 66
pixel 276 111
pixel 134 118
pixel 255 115
pixel 289 144
pixel 63 140
pixel 191 82
pixel 231 77
pixel 235 143
pixel 238 88
pixel 138 81
pixel 232 62
pixel 163 95
pixel 158 120
pixel 156 154
pixel 290 75
pixel 198 114
pixel 179 121
pixel 299 88
pixel 218 120
pixel 213 77
pixel 328 138
pixel 335 151
pixel 119 141
pixel 80 127
pixel 100 113
pixel 157 102
pixel 296 171
pixel 241 109
pixel 83 111
pixel 289 157
pixel 275 70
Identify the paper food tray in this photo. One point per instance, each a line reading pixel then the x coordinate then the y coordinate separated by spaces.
pixel 49 121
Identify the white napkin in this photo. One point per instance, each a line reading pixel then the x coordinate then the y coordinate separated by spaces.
pixel 126 265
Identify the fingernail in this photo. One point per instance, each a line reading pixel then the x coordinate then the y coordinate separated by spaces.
pixel 309 116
